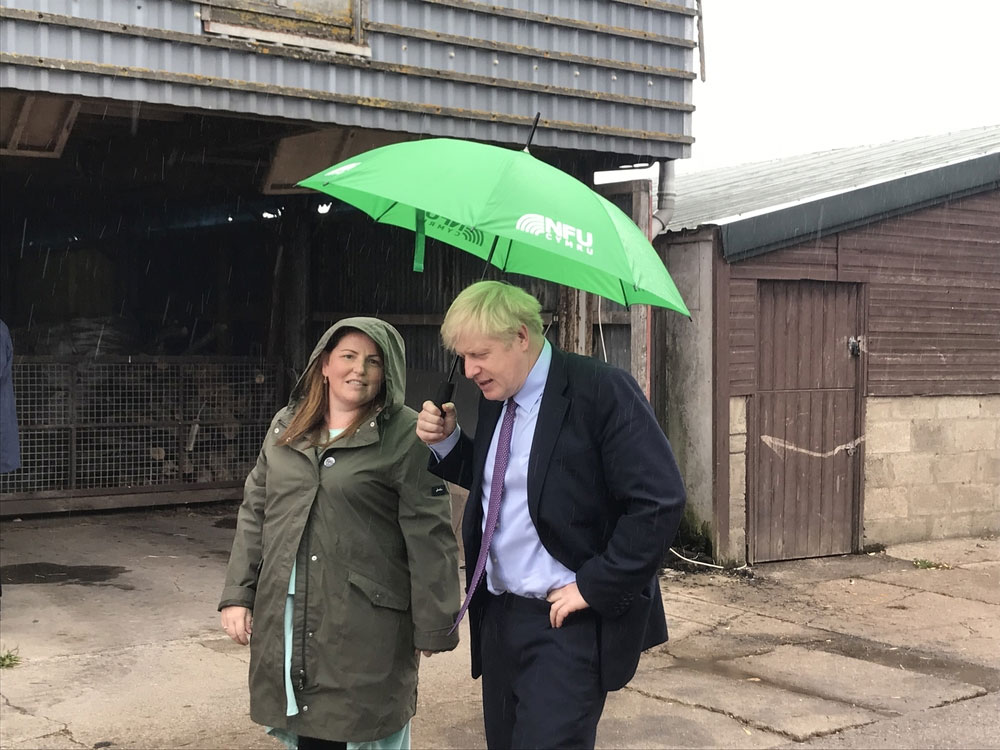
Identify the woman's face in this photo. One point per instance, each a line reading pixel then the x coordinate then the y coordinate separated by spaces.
pixel 355 371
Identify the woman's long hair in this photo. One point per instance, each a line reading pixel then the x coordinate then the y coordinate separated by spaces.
pixel 311 409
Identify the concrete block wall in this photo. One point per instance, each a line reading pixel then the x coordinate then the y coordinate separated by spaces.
pixel 932 468
pixel 737 548
pixel 689 373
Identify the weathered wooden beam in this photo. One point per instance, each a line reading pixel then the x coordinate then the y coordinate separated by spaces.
pixel 61 502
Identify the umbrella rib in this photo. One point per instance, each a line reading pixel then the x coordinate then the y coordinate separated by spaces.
pixel 394 204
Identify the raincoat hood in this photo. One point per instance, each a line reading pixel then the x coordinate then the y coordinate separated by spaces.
pixel 393 358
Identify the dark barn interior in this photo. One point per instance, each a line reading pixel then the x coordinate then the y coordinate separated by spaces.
pixel 163 281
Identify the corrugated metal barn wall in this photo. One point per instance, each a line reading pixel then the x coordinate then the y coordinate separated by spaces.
pixel 607 75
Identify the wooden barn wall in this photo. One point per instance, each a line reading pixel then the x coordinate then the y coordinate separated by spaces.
pixel 816 260
pixel 933 279
pixel 934 296
pixel 742 336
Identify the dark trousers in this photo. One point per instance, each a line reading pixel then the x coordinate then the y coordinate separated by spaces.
pixel 314 743
pixel 541 685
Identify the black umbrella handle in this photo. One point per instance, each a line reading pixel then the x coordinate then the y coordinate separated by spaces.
pixel 444 393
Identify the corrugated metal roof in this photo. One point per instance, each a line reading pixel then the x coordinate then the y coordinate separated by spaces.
pixel 607 75
pixel 732 194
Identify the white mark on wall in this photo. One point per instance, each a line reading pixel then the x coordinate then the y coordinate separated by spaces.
pixel 779 446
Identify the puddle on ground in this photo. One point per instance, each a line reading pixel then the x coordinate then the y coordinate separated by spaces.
pixel 226 523
pixel 51 573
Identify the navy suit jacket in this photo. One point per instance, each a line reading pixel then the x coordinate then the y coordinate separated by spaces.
pixel 604 493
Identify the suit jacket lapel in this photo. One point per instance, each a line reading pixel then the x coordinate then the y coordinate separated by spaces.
pixel 550 419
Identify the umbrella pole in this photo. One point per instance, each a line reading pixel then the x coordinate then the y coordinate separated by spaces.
pixel 532 133
pixel 447 389
pixel 489 258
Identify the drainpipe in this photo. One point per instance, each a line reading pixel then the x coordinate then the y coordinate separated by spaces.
pixel 665 197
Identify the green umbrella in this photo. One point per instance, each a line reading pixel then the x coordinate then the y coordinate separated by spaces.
pixel 507 207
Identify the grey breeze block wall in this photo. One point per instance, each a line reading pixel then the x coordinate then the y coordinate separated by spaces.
pixel 736 551
pixel 932 467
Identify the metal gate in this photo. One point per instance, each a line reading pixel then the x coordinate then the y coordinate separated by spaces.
pixel 804 501
pixel 122 431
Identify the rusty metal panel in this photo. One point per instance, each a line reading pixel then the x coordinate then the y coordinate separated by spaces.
pixel 804 494
pixel 318 21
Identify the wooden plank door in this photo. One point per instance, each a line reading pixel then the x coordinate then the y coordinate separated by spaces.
pixel 804 502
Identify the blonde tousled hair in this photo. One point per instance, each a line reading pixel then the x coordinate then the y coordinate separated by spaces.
pixel 491 308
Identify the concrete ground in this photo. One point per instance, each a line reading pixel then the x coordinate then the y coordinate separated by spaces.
pixel 113 618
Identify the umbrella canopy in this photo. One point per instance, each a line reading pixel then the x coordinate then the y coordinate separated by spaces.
pixel 505 206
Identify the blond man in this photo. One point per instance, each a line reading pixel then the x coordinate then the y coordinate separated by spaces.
pixel 574 497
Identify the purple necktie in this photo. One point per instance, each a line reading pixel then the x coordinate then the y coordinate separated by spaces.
pixel 493 510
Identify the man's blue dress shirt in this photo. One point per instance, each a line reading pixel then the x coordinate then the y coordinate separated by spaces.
pixel 518 562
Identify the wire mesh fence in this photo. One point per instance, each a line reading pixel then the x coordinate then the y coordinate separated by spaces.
pixel 131 422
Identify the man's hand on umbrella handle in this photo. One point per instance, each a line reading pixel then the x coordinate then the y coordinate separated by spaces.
pixel 432 427
pixel 445 392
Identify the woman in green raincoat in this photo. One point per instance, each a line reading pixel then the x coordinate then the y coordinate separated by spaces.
pixel 344 566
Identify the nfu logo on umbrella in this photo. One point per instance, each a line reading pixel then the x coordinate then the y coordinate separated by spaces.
pixel 457 229
pixel 557 231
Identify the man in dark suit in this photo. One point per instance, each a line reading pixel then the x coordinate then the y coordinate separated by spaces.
pixel 574 498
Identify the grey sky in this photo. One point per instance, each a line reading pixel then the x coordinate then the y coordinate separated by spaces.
pixel 793 76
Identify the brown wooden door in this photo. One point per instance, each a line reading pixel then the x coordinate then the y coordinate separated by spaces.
pixel 806 441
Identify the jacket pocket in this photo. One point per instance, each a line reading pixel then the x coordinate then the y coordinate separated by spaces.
pixel 379 594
